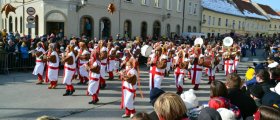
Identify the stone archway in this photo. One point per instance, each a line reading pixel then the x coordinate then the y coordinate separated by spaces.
pixel 87 26
pixel 104 28
pixel 156 29
pixel 55 22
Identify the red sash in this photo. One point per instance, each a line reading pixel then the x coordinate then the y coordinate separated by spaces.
pixel 39 61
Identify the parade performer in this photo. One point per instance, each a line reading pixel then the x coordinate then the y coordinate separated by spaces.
pixel 169 61
pixel 52 66
pixel 83 57
pixel 39 67
pixel 212 64
pixel 158 65
pixel 111 60
pixel 181 64
pixel 237 53
pixel 94 75
pixel 197 60
pixel 118 57
pixel 103 60
pixel 69 61
pixel 126 58
pixel 129 79
pixel 228 62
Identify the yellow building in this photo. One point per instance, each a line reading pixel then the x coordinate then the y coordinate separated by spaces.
pixel 220 17
pixel 215 23
pixel 225 16
pixel 274 17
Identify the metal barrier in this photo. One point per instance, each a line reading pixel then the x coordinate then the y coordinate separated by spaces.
pixel 16 62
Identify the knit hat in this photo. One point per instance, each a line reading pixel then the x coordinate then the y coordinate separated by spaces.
pixel 189 99
pixel 257 91
pixel 226 114
pixel 154 94
pixel 218 102
pixel 209 114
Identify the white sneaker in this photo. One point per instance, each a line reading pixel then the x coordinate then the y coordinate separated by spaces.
pixel 125 116
pixel 131 115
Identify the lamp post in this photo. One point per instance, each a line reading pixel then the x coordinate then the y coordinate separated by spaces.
pixel 83 4
pixel 23 15
pixel 165 17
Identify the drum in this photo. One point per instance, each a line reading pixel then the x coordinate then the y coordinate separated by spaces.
pixel 146 50
pixel 208 62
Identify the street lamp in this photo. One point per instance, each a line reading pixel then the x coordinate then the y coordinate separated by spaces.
pixel 83 4
pixel 167 16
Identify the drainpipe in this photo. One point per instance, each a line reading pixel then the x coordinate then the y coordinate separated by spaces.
pixel 183 22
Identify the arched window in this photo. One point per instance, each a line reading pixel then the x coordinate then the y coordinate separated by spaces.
pixel 156 29
pixel 144 28
pixel 178 29
pixel 16 24
pixel 104 28
pixel 87 26
pixel 127 28
pixel 168 30
pixel 194 29
pixel 189 29
pixel 10 24
pixel 21 22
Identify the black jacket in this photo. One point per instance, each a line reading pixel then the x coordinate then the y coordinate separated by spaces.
pixel 271 98
pixel 245 103
pixel 266 86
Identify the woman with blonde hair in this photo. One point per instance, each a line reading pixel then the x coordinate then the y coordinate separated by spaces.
pixel 169 106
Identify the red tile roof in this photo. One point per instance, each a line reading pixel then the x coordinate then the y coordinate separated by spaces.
pixel 242 6
pixel 278 13
pixel 268 10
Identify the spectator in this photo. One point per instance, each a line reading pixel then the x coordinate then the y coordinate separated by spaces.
pixel 267 113
pixel 24 53
pixel 262 78
pixel 141 116
pixel 218 89
pixel 10 47
pixel 154 94
pixel 256 92
pixel 274 75
pixel 169 106
pixel 253 49
pixel 272 97
pixel 209 114
pixel 245 103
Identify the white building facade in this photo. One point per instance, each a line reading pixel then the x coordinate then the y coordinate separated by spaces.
pixel 132 17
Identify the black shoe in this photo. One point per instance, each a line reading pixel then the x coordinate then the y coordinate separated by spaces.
pixel 71 92
pixel 66 93
pixel 93 101
pixel 178 93
pixel 102 86
pixel 86 82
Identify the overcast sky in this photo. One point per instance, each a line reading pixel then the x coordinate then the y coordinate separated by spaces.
pixel 275 4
